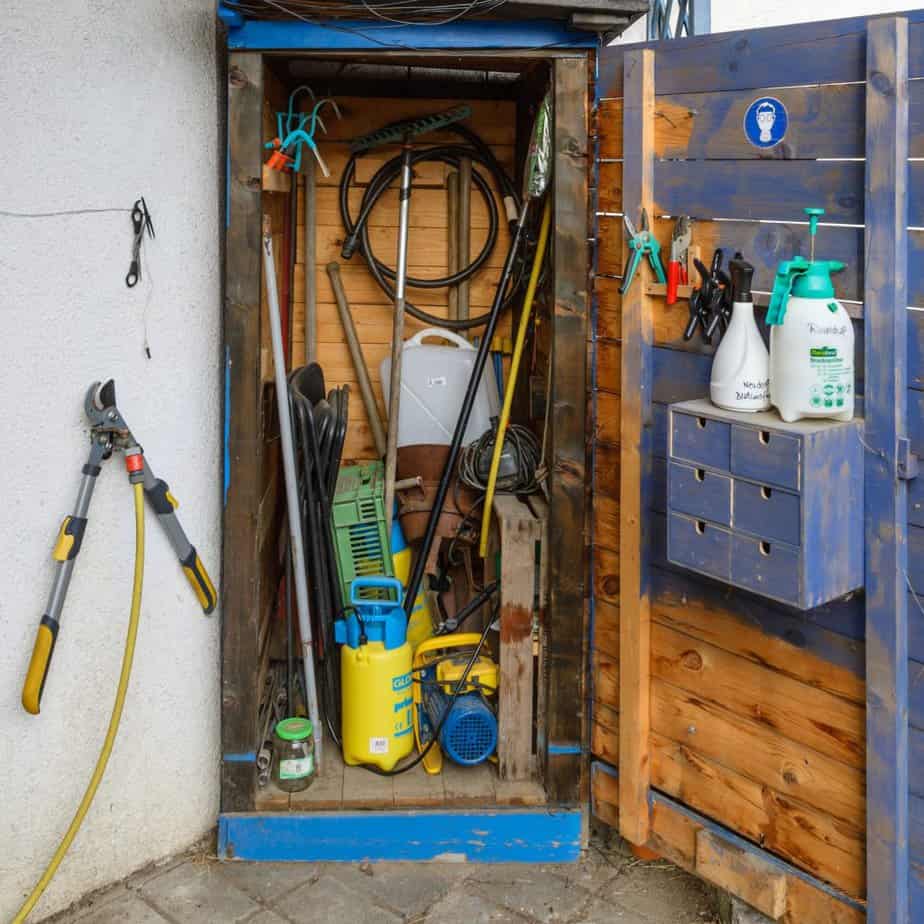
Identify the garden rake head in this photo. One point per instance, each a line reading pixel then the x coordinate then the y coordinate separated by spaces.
pixel 400 131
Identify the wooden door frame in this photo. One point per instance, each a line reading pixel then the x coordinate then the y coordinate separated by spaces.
pixel 562 740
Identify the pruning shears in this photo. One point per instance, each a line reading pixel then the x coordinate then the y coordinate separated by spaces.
pixel 641 242
pixel 109 433
pixel 677 274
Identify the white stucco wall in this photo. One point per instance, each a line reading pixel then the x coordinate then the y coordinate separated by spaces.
pixel 103 101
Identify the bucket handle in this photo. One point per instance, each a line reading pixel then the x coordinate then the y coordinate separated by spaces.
pixel 383 582
pixel 442 333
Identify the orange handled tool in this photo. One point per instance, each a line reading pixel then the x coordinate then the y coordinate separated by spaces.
pixel 677 274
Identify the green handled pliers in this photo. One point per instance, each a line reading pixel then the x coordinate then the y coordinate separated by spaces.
pixel 641 242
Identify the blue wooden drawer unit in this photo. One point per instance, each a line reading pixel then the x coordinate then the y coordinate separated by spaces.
pixel 771 507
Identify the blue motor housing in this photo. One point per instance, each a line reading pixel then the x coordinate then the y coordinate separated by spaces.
pixel 469 735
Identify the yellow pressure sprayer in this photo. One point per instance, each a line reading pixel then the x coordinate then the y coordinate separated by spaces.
pixel 375 675
pixel 108 433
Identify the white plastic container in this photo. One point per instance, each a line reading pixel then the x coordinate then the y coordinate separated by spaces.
pixel 740 379
pixel 434 378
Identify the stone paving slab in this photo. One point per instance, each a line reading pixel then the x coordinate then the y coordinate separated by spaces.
pixel 329 900
pixel 127 907
pixel 198 893
pixel 537 894
pixel 659 893
pixel 603 912
pixel 268 882
pixel 266 916
pixel 607 886
pixel 464 906
pixel 408 889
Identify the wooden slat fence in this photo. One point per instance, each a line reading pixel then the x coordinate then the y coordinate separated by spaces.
pixel 792 730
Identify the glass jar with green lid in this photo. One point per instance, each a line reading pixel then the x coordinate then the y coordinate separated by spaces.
pixel 293 754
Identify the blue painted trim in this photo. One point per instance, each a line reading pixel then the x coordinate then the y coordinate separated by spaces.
pixel 247 757
pixel 231 18
pixel 594 386
pixel 350 35
pixel 554 749
pixel 227 425
pixel 495 836
pixel 886 502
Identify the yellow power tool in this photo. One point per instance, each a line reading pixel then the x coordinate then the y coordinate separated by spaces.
pixel 465 714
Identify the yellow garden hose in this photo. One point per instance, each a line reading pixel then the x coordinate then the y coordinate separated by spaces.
pixel 114 720
pixel 512 378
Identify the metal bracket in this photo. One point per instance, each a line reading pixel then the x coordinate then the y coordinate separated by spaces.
pixel 905 460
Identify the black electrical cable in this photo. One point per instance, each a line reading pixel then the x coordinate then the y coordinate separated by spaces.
pixel 520 444
pixel 456 692
pixel 357 233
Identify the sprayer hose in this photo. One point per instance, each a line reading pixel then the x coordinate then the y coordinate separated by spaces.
pixel 114 719
pixel 450 154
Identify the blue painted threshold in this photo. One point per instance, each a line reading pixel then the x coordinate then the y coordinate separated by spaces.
pixel 475 836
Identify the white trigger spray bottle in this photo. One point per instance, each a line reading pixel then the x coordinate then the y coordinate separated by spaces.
pixel 811 339
pixel 741 368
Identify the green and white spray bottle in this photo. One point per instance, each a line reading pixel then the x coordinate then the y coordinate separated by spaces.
pixel 811 339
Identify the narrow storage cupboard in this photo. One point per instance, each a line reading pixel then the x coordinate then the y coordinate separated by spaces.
pixel 715 711
pixel 531 802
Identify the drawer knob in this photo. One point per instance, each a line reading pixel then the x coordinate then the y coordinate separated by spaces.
pixel 764 548
pixel 764 437
pixel 700 527
pixel 701 423
pixel 766 492
pixel 700 474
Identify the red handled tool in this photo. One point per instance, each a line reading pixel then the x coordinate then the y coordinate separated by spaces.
pixel 677 266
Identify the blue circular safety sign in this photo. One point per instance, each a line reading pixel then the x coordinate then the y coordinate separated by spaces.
pixel 765 122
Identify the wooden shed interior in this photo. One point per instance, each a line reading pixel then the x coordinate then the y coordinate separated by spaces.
pixel 371 91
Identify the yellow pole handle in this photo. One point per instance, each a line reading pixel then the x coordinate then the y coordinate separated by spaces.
pixel 512 378
pixel 38 665
pixel 200 581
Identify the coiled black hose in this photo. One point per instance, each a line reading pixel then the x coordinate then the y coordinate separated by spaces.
pixel 357 233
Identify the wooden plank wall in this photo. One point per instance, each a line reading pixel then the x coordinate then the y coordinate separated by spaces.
pixel 757 713
pixel 240 590
pixel 495 122
pixel 886 216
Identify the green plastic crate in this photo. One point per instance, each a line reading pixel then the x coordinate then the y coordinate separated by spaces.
pixel 360 530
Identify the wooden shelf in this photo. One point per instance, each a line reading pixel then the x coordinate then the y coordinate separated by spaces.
pixel 342 788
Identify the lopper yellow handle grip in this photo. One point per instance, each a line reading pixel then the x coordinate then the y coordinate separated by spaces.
pixel 200 581
pixel 38 665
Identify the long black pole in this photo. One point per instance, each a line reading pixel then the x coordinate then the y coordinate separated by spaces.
pixel 455 446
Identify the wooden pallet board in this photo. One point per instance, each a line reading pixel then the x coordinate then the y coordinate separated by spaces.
pixel 348 788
